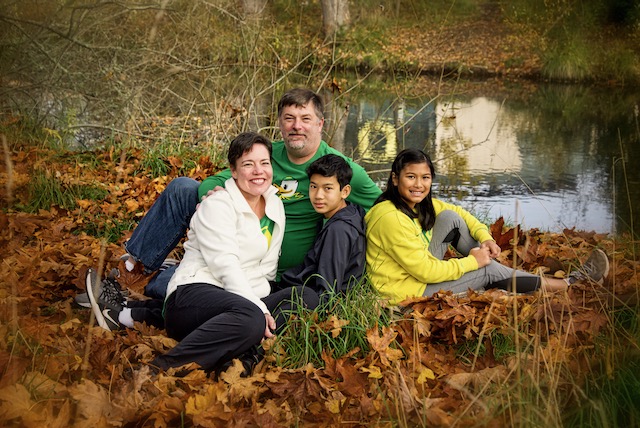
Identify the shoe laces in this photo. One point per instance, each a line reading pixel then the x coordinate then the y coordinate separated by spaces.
pixel 576 275
pixel 111 292
pixel 589 268
pixel 585 272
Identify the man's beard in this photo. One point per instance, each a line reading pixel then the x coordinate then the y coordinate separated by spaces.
pixel 296 143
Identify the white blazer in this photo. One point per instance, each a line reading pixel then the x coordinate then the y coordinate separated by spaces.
pixel 225 246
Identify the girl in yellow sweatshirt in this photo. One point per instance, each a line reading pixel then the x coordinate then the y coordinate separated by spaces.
pixel 408 234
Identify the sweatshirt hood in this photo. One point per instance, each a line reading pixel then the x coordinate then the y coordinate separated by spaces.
pixel 352 214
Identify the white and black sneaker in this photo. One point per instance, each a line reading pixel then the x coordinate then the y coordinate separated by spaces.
pixel 109 292
pixel 594 269
pixel 106 314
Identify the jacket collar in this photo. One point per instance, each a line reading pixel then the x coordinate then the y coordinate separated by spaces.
pixel 239 201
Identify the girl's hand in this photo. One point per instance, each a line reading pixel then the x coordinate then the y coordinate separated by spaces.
pixel 482 255
pixel 271 325
pixel 494 249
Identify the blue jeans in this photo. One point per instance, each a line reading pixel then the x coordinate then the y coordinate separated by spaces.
pixel 156 288
pixel 162 228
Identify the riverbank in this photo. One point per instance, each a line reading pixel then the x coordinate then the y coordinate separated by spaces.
pixel 483 45
pixel 206 61
pixel 488 42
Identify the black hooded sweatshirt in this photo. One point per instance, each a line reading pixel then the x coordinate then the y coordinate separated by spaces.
pixel 337 258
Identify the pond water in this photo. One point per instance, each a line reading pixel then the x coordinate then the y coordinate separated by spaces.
pixel 551 157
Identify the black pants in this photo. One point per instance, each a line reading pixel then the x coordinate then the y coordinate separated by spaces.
pixel 148 311
pixel 214 326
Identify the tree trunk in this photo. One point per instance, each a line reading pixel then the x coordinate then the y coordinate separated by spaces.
pixel 335 16
pixel 336 114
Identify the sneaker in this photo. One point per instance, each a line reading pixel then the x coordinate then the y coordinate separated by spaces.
pixel 109 292
pixel 249 360
pixel 106 315
pixel 167 263
pixel 594 269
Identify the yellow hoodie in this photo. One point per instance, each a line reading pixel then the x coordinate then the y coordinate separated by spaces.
pixel 399 263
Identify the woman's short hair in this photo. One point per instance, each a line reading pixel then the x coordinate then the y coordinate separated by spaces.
pixel 243 143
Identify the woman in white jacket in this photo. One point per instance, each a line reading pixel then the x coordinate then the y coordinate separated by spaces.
pixel 218 304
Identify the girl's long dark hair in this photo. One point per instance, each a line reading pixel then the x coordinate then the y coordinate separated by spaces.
pixel 425 214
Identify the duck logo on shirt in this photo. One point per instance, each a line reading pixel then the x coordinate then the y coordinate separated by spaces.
pixel 287 189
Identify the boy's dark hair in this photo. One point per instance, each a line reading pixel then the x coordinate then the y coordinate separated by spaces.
pixel 300 97
pixel 426 212
pixel 243 143
pixel 330 165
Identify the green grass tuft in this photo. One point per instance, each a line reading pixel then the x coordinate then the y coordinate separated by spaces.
pixel 47 190
pixel 337 327
pixel 467 350
pixel 157 160
pixel 568 60
pixel 610 400
pixel 503 346
pixel 110 229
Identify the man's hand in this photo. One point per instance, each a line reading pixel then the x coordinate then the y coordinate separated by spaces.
pixel 209 193
pixel 494 249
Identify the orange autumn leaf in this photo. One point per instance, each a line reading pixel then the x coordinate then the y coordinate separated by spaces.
pixel 381 345
pixel 334 325
pixel 94 407
pixel 15 402
pixel 132 205
pixel 175 161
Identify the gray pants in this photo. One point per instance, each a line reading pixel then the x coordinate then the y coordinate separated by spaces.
pixel 450 229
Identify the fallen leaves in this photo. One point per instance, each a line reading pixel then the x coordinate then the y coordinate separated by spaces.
pixel 381 346
pixel 57 370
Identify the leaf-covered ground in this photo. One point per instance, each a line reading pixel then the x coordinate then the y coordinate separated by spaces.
pixel 442 362
pixel 483 44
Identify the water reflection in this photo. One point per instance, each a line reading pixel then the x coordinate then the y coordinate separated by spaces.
pixel 475 137
pixel 546 161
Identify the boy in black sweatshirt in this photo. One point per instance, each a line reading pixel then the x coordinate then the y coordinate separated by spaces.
pixel 337 259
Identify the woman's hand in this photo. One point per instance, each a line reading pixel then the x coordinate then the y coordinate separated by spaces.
pixel 494 249
pixel 482 255
pixel 271 325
